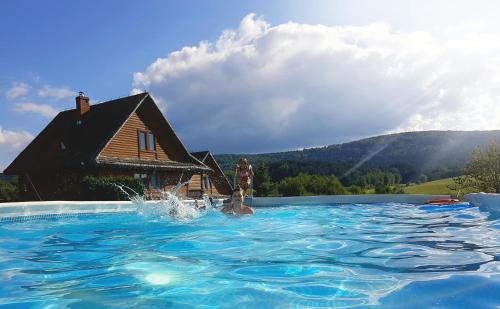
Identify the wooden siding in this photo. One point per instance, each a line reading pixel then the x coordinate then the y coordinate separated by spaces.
pixel 195 182
pixel 125 144
pixel 165 135
pixel 195 185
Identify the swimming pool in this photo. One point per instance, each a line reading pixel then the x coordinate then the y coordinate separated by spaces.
pixel 372 255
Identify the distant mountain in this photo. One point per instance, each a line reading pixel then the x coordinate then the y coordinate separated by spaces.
pixel 433 153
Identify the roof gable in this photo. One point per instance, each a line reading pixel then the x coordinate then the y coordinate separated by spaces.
pixel 148 114
pixel 208 159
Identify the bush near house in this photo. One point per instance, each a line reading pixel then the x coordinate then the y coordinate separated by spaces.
pixel 105 189
pixel 8 191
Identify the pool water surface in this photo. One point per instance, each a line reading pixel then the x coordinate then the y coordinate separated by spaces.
pixel 377 255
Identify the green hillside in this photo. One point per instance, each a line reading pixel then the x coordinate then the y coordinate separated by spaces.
pixel 440 186
pixel 432 187
pixel 435 154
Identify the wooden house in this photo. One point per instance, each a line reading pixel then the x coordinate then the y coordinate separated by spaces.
pixel 213 182
pixel 123 137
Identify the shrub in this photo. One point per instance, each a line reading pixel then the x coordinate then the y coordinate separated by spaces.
pixel 8 191
pixel 355 190
pixel 382 189
pixel 106 189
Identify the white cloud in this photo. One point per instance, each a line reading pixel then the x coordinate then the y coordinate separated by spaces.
pixel 11 142
pixel 263 87
pixel 135 91
pixel 42 109
pixel 57 93
pixel 17 90
pixel 160 102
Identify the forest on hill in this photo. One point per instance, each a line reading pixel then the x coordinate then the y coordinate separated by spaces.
pixel 401 158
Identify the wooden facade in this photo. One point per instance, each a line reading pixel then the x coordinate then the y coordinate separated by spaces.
pixel 124 137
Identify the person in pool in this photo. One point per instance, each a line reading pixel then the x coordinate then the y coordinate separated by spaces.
pixel 245 172
pixel 236 205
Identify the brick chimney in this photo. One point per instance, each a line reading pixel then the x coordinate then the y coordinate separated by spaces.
pixel 82 104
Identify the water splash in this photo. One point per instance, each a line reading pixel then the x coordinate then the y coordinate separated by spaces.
pixel 178 187
pixel 169 204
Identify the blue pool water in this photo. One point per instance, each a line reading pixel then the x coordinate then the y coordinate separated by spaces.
pixel 384 255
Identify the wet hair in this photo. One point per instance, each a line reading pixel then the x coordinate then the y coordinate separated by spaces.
pixel 237 189
pixel 243 160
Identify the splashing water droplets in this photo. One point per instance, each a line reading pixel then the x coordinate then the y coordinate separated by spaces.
pixel 169 205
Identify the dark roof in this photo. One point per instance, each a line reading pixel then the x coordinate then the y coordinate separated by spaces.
pixel 82 142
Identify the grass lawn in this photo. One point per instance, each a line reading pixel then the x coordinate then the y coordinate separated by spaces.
pixel 432 187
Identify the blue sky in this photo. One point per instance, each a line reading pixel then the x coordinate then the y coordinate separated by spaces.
pixel 258 75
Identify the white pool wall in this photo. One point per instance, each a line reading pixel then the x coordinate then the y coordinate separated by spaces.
pixel 485 201
pixel 27 209
pixel 344 199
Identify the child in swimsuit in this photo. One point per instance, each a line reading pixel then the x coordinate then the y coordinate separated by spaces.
pixel 245 172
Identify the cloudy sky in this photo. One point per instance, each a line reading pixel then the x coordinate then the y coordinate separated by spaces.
pixel 255 76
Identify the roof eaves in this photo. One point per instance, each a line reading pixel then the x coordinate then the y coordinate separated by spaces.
pixel 152 165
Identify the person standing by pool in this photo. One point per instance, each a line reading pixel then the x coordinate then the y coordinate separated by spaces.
pixel 245 172
pixel 236 205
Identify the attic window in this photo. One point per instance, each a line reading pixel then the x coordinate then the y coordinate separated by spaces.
pixel 142 140
pixel 151 141
pixel 63 147
pixel 146 141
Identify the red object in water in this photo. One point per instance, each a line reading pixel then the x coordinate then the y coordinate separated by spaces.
pixel 443 202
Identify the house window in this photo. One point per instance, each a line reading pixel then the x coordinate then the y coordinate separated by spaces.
pixel 205 183
pixel 156 182
pixel 143 178
pixel 151 141
pixel 146 141
pixel 142 140
pixel 140 176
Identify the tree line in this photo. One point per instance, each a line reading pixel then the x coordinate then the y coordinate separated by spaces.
pixel 304 183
